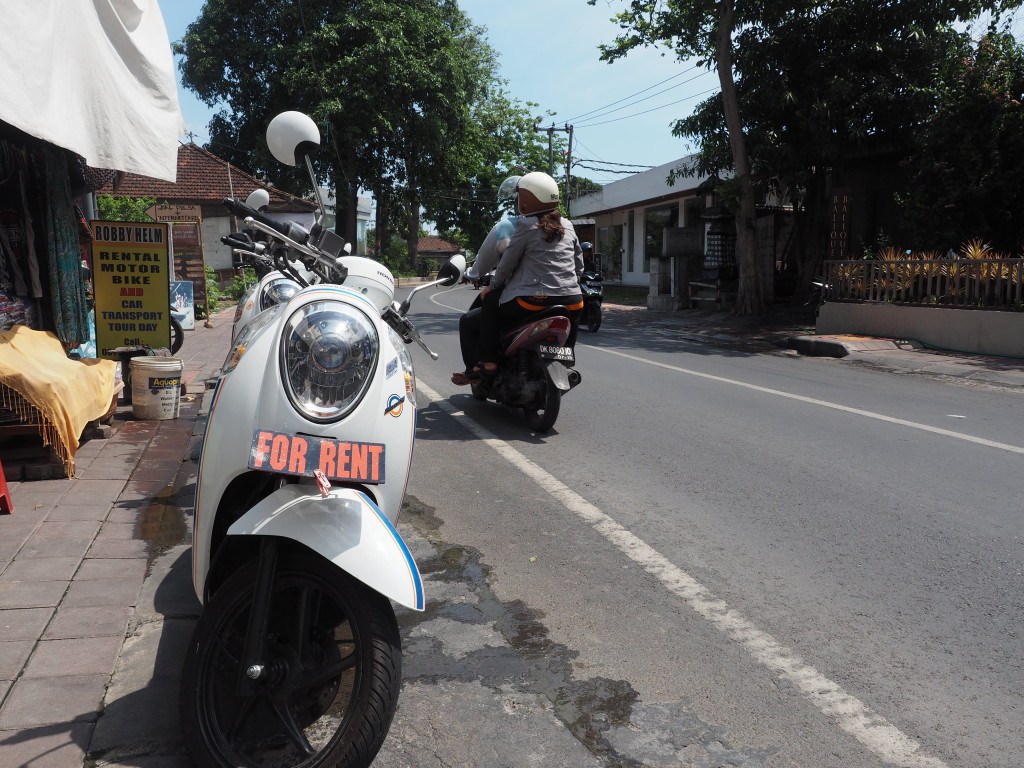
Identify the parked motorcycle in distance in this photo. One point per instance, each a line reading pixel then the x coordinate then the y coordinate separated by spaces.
pixel 535 369
pixel 296 658
pixel 592 287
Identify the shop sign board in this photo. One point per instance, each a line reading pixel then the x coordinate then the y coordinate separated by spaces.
pixel 131 282
pixel 175 212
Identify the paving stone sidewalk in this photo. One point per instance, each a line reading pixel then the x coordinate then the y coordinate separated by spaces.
pixel 74 555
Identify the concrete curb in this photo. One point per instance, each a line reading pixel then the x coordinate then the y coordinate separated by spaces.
pixel 841 346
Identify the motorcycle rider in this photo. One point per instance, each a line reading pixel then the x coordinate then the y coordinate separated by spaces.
pixel 589 264
pixel 541 267
pixel 486 260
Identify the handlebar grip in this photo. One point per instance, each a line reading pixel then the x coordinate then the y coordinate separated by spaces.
pixel 238 240
pixel 243 210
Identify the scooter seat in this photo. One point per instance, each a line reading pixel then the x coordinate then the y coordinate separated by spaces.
pixel 555 311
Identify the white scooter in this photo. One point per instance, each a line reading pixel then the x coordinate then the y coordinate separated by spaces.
pixel 296 659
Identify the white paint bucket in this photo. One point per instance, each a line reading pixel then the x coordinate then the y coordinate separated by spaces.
pixel 156 387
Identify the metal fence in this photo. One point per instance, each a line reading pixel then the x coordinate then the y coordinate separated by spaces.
pixel 949 283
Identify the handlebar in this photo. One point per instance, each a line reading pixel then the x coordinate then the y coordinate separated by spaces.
pixel 247 211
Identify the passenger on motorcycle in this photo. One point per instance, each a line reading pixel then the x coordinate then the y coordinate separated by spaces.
pixel 486 260
pixel 541 267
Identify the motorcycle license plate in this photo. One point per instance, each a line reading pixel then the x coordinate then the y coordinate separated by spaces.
pixel 304 454
pixel 549 352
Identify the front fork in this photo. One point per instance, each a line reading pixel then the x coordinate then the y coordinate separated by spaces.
pixel 252 663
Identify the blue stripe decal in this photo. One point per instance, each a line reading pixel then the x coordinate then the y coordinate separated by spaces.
pixel 339 289
pixel 413 570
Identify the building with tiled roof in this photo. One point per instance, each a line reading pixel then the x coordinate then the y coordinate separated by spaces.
pixel 205 180
pixel 435 248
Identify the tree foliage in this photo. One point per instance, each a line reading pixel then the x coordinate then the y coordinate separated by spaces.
pixel 816 84
pixel 966 170
pixel 123 208
pixel 405 92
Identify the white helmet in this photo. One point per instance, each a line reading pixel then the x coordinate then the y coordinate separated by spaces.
pixel 542 186
pixel 291 135
pixel 507 188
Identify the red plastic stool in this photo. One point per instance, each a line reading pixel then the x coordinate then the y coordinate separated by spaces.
pixel 6 505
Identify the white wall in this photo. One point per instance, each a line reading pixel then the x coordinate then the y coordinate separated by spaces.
pixel 613 204
pixel 981 332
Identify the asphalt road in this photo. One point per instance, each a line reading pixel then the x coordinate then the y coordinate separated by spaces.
pixel 715 558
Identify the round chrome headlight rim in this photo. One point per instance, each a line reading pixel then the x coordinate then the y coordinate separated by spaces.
pixel 328 355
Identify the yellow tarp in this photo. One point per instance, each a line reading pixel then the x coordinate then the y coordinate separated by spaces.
pixel 65 394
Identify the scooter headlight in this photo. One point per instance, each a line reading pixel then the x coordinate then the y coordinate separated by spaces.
pixel 246 336
pixel 280 290
pixel 329 352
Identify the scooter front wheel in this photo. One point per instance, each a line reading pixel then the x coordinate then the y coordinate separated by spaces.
pixel 329 683
pixel 593 317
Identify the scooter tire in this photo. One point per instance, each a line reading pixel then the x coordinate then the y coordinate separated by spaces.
pixel 593 317
pixel 330 685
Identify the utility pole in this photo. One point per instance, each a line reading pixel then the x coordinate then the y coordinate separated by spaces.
pixel 550 131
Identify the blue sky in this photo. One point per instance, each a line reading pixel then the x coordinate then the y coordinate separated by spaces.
pixel 621 112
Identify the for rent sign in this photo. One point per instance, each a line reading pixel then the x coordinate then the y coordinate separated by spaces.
pixel 132 285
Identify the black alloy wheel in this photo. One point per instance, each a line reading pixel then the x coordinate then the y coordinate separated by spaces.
pixel 330 682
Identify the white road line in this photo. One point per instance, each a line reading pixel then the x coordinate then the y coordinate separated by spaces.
pixel 853 716
pixel 822 403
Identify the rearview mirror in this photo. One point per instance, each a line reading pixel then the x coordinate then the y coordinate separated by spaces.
pixel 452 270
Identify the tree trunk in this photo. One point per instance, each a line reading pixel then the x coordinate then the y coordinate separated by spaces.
pixel 412 234
pixel 750 299
pixel 346 197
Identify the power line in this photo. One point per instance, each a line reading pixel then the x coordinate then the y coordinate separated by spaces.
pixel 608 162
pixel 654 109
pixel 607 170
pixel 599 109
pixel 645 98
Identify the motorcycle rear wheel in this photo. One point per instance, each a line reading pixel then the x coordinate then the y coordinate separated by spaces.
pixel 593 317
pixel 543 411
pixel 330 683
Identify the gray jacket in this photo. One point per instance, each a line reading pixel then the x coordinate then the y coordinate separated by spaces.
pixel 531 266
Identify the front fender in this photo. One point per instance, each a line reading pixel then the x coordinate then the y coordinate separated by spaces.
pixel 348 529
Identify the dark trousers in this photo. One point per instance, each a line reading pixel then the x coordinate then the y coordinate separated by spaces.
pixel 469 336
pixel 495 317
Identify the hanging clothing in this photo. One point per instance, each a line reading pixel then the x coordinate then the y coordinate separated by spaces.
pixel 17 238
pixel 67 289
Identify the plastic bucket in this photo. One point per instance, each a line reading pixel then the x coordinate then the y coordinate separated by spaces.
pixel 156 387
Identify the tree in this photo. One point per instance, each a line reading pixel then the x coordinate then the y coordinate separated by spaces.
pixel 397 87
pixel 862 93
pixel 704 29
pixel 967 165
pixel 123 208
pixel 814 83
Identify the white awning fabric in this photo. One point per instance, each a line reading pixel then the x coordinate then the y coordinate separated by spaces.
pixel 95 77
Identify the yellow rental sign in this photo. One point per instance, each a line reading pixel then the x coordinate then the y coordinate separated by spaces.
pixel 131 281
